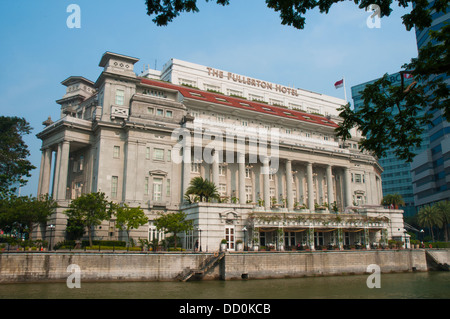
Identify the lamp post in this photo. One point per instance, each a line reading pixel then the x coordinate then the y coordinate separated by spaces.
pixel 51 227
pixel 200 235
pixel 245 236
pixel 421 232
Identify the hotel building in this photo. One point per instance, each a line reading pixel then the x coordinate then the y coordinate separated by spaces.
pixel 271 150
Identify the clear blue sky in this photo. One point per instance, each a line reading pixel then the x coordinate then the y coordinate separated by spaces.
pixel 38 50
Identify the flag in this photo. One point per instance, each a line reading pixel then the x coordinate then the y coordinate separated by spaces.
pixel 339 84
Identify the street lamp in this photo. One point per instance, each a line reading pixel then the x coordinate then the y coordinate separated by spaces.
pixel 200 234
pixel 51 227
pixel 245 236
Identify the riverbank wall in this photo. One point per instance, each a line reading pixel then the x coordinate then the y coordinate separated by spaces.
pixel 54 266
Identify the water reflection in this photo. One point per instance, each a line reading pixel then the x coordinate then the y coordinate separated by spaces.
pixel 426 285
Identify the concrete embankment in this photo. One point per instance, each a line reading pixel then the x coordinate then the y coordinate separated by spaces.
pixel 53 266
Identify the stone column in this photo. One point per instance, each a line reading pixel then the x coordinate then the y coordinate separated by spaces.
pixel 330 185
pixel 266 170
pixel 301 192
pixel 347 187
pixel 63 170
pixel 289 193
pixel 46 167
pixel 320 196
pixel 215 169
pixel 55 188
pixel 41 171
pixel 309 176
pixel 187 159
pixel 241 162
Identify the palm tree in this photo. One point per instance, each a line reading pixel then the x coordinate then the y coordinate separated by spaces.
pixel 393 199
pixel 202 188
pixel 443 208
pixel 429 216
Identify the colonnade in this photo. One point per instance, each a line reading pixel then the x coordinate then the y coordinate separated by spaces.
pixel 326 170
pixel 60 172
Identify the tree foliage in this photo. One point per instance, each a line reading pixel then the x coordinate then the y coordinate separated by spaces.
pixel 393 199
pixel 443 210
pixel 375 119
pixel 202 188
pixel 90 210
pixel 21 214
pixel 429 216
pixel 173 223
pixel 14 166
pixel 167 10
pixel 128 218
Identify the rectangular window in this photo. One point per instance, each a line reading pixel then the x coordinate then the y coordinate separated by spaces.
pixel 223 189
pixel 169 155
pixel 150 110
pixel 248 194
pixel 158 154
pixel 157 189
pixel 120 97
pixel 222 170
pixel 248 173
pixel 169 114
pixel 116 152
pixel 358 178
pixel 160 112
pixel 147 153
pixel 114 184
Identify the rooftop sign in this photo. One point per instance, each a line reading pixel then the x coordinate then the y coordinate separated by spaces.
pixel 251 82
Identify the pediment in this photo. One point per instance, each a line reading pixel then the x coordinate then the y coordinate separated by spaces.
pixel 230 217
pixel 158 172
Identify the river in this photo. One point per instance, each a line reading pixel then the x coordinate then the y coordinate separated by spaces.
pixel 418 285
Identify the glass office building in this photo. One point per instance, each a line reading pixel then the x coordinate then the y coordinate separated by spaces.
pixel 397 177
pixel 431 168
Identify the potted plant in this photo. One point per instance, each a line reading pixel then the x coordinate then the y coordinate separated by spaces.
pixel 223 245
pixel 239 245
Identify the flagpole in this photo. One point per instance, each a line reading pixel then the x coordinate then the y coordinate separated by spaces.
pixel 345 90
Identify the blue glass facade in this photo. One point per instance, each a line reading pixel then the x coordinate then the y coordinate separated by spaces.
pixel 396 177
pixel 431 168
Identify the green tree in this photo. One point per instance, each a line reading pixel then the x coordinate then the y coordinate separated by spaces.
pixel 128 218
pixel 382 130
pixel 443 209
pixel 75 228
pixel 202 188
pixel 173 223
pixel 90 210
pixel 14 166
pixel 393 199
pixel 25 212
pixel 429 216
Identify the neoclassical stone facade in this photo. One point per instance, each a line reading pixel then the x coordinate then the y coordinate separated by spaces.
pixel 281 172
